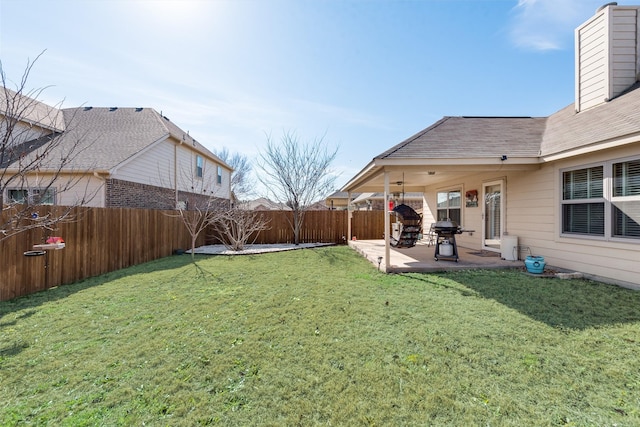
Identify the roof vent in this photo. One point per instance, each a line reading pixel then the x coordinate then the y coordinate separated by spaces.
pixel 87 108
pixel 113 108
pixel 604 6
pixel 138 109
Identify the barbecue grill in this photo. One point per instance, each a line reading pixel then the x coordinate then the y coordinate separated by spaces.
pixel 406 229
pixel 446 247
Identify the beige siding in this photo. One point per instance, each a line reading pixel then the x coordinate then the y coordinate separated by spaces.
pixel 208 182
pixel 540 229
pixel 156 166
pixel 624 54
pixel 89 187
pixel 472 216
pixel 533 214
pixel 185 173
pixel 78 187
pixel 591 60
pixel 23 132
pixel 606 55
pixel 153 166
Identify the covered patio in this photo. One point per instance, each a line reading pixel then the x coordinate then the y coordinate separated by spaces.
pixel 420 258
pixel 462 166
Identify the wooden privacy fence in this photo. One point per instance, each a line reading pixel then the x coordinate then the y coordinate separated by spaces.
pixel 98 241
pixel 319 226
pixel 101 240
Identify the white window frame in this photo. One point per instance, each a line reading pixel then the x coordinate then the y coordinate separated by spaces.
pixel 607 198
pixel 584 201
pixel 447 191
pixel 219 175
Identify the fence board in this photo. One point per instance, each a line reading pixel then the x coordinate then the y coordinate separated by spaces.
pixel 368 225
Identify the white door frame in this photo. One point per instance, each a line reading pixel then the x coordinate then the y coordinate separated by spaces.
pixel 492 243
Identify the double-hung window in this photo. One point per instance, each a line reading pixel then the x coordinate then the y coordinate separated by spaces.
pixel 583 201
pixel 625 200
pixel 219 176
pixel 449 205
pixel 602 200
pixel 199 167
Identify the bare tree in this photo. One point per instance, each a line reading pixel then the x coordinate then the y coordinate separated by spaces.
pixel 197 220
pixel 236 227
pixel 200 209
pixel 297 174
pixel 240 177
pixel 36 160
pixel 198 206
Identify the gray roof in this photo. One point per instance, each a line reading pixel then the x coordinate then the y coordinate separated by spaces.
pixel 106 137
pixel 473 137
pixel 567 130
pixel 341 195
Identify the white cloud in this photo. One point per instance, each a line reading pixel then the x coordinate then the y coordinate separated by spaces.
pixel 548 24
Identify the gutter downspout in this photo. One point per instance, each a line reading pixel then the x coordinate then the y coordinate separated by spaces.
pixel 175 172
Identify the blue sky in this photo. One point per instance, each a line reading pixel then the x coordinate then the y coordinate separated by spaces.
pixel 366 74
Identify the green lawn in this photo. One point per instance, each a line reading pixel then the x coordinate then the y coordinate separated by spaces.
pixel 319 337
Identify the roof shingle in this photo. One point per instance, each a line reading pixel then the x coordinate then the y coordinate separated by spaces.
pixel 103 138
pixel 568 130
pixel 473 137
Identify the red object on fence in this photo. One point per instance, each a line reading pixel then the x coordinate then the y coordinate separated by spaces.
pixel 391 205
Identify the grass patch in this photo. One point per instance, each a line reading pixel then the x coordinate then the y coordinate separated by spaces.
pixel 319 337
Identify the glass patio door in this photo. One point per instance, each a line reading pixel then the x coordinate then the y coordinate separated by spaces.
pixel 492 215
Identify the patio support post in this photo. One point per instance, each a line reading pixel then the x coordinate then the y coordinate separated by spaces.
pixel 349 216
pixel 387 224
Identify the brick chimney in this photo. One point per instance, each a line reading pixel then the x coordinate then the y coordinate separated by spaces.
pixel 607 54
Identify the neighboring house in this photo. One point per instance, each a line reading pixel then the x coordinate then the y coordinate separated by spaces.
pixel 567 186
pixel 264 204
pixel 339 200
pixel 122 157
pixel 318 206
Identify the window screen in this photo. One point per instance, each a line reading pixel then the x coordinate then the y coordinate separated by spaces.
pixel 449 203
pixel 582 203
pixel 626 199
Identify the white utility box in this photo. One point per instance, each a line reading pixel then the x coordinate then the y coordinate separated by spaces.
pixel 509 248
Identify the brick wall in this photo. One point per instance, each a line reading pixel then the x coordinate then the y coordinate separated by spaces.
pixel 126 194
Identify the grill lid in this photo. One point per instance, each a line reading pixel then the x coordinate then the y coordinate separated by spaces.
pixel 447 224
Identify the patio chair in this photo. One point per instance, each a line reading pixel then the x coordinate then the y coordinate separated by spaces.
pixel 431 235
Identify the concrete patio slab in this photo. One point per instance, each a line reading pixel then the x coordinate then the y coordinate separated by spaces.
pixel 420 258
